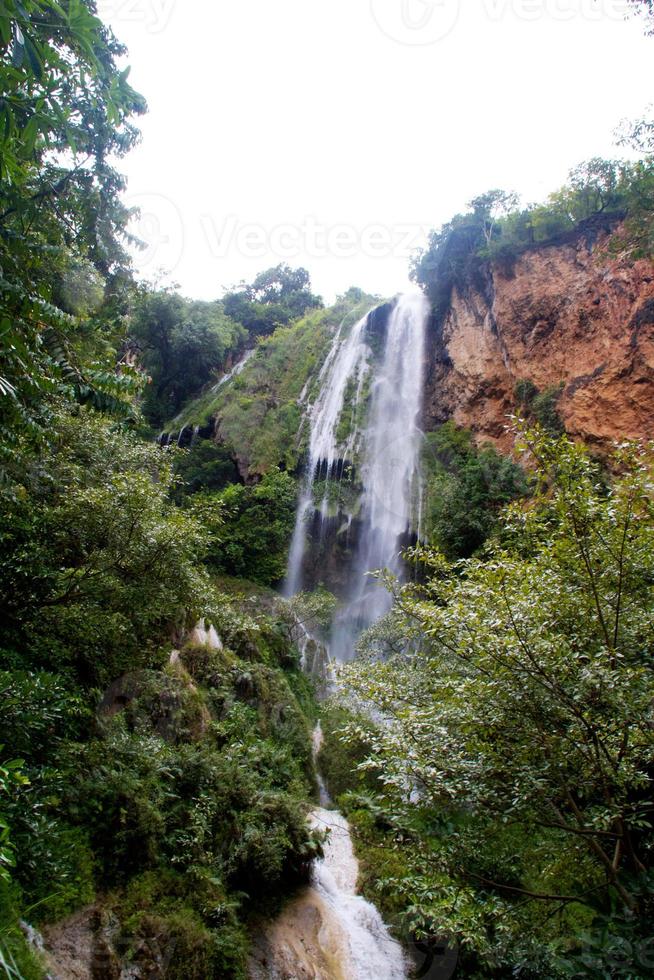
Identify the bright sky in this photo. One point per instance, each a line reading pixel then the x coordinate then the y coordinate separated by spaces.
pixel 334 133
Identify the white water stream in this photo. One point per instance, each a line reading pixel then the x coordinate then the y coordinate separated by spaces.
pixel 330 932
pixel 391 472
pixel 389 448
pixel 348 357
pixel 236 370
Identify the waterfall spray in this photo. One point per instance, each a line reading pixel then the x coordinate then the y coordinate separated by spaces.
pixel 389 447
pixel 390 508
pixel 348 357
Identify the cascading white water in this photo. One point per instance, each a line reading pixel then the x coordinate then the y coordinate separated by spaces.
pixel 368 952
pixel 391 472
pixel 390 450
pixel 236 370
pixel 329 932
pixel 348 358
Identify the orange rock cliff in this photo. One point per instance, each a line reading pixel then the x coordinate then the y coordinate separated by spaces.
pixel 567 313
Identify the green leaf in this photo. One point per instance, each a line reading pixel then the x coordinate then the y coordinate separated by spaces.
pixel 34 58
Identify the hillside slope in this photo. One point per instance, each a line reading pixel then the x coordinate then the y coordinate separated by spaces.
pixel 258 414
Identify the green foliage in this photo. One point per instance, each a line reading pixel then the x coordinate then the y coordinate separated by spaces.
pixel 275 298
pixel 203 768
pixel 11 777
pixel 192 924
pixel 181 344
pixel 465 489
pixel 65 112
pixel 207 466
pixel 226 802
pixel 97 564
pixel 17 960
pixel 496 228
pixel 261 520
pixel 341 761
pixel 520 715
pixel 540 406
pixel 259 411
pixel 306 612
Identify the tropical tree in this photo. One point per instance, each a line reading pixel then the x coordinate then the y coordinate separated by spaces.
pixel 519 717
pixel 273 299
pixel 65 114
pixel 181 344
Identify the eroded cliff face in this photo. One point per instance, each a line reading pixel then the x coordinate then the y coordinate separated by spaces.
pixel 569 313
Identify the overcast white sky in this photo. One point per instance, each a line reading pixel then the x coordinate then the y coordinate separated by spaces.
pixel 333 133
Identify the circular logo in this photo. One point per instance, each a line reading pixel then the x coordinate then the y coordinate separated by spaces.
pixel 435 958
pixel 416 22
pixel 158 225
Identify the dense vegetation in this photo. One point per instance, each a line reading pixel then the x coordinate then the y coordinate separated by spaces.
pixel 184 345
pixel 181 345
pixel 66 112
pixel 259 415
pixel 167 787
pixel 520 715
pixel 465 489
pixel 275 298
pixel 261 520
pixel 600 196
pixel 180 787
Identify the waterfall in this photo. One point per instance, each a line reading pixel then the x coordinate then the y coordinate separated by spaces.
pixel 367 951
pixel 348 358
pixel 329 932
pixel 390 508
pixel 236 370
pixel 388 449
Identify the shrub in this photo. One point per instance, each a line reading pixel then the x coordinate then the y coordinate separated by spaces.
pixel 261 520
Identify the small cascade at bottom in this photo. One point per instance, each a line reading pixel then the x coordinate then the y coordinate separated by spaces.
pixel 329 932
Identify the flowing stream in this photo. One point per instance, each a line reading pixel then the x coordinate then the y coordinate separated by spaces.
pixel 330 932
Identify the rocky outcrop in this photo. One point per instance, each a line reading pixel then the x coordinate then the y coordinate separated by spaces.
pixel 567 313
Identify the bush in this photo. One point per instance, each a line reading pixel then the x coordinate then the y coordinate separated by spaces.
pixel 466 489
pixel 206 466
pixel 188 921
pixel 261 520
pixel 340 758
pixel 540 406
pixel 97 564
